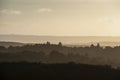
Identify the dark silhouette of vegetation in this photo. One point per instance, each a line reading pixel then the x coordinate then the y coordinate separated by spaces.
pixel 57 53
pixel 57 62
pixel 69 71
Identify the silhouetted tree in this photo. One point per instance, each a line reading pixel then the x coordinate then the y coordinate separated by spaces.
pixel 98 45
pixel 48 43
pixel 59 44
pixel 92 45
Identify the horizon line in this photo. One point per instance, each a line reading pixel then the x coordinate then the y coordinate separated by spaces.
pixel 60 35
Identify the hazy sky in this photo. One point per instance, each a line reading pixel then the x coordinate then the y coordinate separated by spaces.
pixel 60 17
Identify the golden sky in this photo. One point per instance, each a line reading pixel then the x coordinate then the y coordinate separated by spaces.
pixel 60 17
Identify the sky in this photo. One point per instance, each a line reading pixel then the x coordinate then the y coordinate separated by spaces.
pixel 60 17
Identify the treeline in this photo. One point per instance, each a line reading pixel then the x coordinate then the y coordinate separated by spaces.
pixel 57 53
pixel 69 71
pixel 52 57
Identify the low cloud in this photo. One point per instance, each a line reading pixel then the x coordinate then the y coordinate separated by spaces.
pixel 114 20
pixel 42 10
pixel 16 12
pixel 13 12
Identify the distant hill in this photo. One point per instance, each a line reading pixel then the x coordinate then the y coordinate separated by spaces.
pixel 66 40
pixel 7 44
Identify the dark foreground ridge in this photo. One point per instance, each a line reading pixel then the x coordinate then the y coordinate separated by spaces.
pixel 66 71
